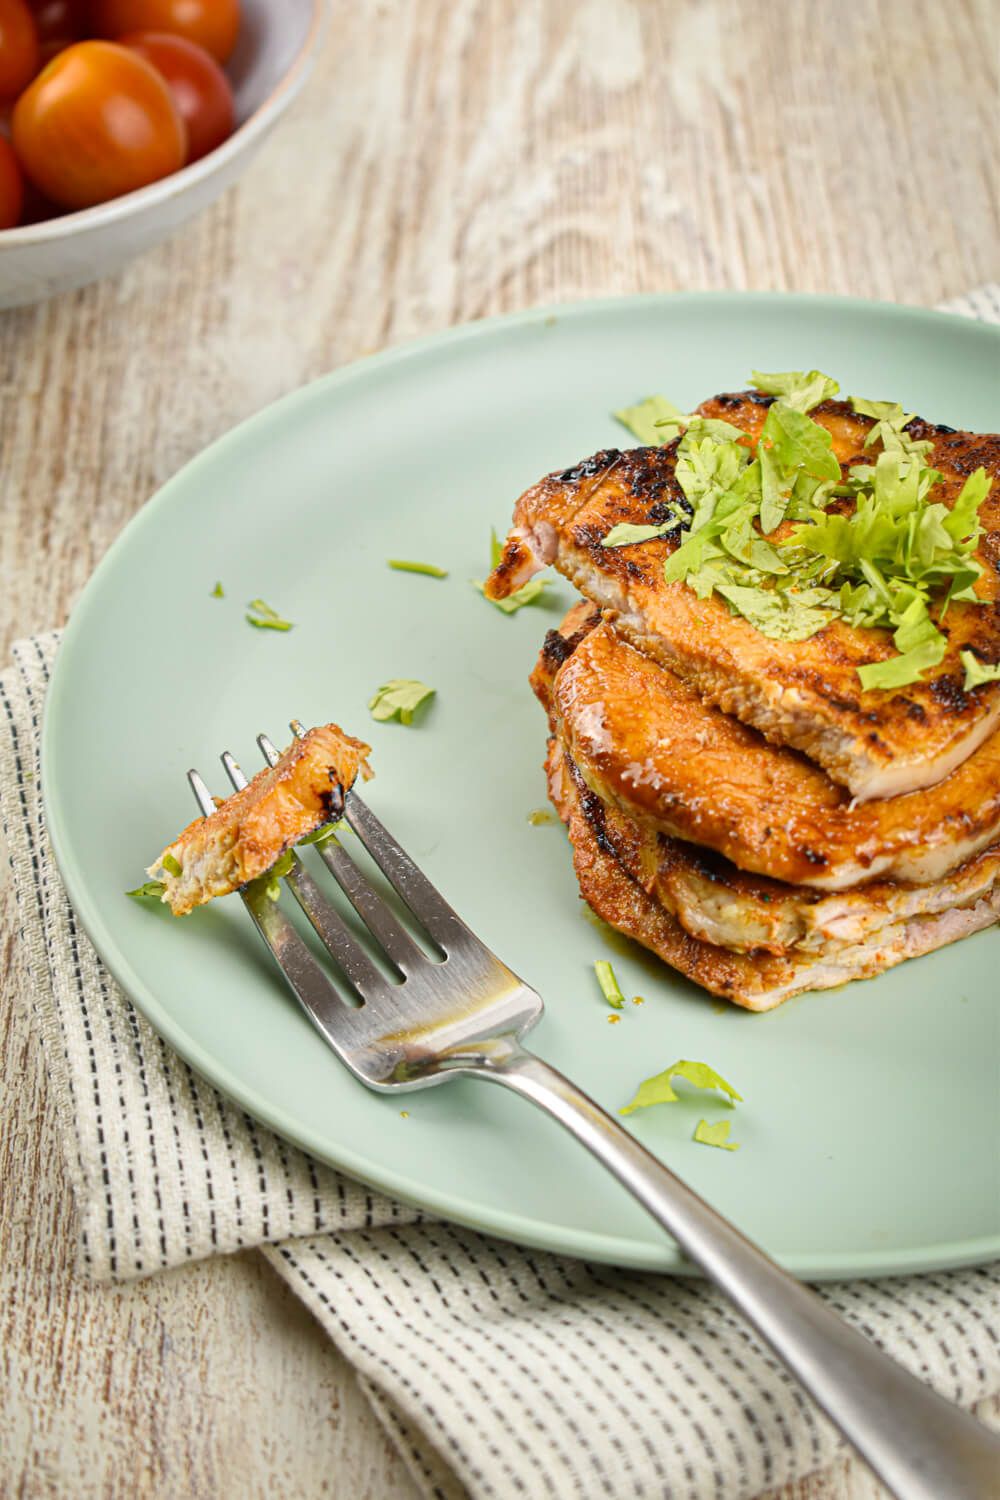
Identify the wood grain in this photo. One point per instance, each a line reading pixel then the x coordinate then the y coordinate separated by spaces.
pixel 450 159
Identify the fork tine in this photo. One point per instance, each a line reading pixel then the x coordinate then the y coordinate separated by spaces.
pixel 424 900
pixel 269 750
pixel 311 985
pixel 394 939
pixel 335 934
pixel 308 981
pixel 397 942
pixel 327 922
pixel 202 795
pixel 233 771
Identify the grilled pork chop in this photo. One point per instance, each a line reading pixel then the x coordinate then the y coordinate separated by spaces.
pixel 716 902
pixel 644 740
pixel 804 694
pixel 249 831
pixel 756 982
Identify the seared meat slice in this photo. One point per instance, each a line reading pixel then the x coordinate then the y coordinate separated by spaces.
pixel 758 981
pixel 716 902
pixel 250 830
pixel 804 694
pixel 643 740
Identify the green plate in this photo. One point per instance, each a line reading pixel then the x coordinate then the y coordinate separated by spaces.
pixel 869 1132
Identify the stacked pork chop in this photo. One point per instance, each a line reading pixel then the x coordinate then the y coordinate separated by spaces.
pixel 738 803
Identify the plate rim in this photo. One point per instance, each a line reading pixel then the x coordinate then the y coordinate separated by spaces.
pixel 583 1244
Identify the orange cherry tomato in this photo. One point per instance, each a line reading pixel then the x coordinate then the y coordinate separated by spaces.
pixel 213 24
pixel 98 121
pixel 11 187
pixel 59 23
pixel 200 88
pixel 18 47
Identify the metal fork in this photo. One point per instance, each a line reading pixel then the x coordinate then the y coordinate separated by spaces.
pixel 465 1015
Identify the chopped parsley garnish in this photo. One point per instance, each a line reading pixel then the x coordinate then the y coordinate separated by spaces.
pixel 610 988
pixel 796 388
pixel 171 865
pixel 151 890
pixel 977 672
pixel 658 1090
pixel 322 833
pixel 400 698
pixel 402 565
pixel 526 594
pixel 624 535
pixel 654 421
pixel 266 618
pixel 890 423
pixel 883 564
pixel 715 1135
pixel 273 877
pixel 218 592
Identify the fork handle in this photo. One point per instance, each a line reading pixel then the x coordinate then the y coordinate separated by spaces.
pixel 920 1445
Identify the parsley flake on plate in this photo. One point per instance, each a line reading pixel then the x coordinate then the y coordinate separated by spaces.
pixel 610 988
pixel 716 1134
pixel 526 594
pixel 399 699
pixel 218 592
pixel 658 1090
pixel 403 565
pixel 265 618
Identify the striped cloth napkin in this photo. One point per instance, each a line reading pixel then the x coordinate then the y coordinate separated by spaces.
pixel 497 1371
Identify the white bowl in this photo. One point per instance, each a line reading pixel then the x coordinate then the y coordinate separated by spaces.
pixel 273 56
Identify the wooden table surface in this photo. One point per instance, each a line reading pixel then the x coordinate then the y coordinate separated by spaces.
pixel 449 159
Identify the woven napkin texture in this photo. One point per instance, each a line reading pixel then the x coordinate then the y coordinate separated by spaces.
pixel 498 1372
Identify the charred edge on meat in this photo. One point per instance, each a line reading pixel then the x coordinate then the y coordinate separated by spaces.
pixel 950 694
pixel 332 801
pixel 593 810
pixel 589 467
pixel 729 399
pixel 557 648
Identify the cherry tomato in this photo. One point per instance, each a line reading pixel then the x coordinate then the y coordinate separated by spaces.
pixel 213 24
pixel 59 23
pixel 11 187
pixel 18 47
pixel 200 88
pixel 98 121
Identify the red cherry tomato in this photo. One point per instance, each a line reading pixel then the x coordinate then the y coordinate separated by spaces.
pixel 98 121
pixel 11 187
pixel 213 24
pixel 200 88
pixel 59 22
pixel 18 47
